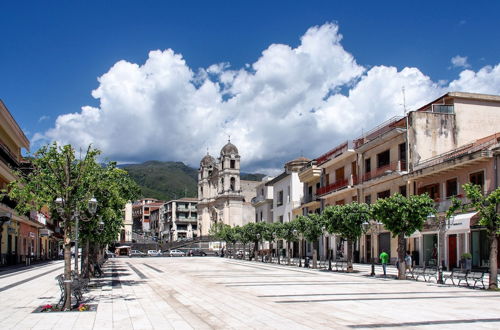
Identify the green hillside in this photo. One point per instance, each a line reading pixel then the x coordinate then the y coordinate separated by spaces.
pixel 169 180
pixel 164 180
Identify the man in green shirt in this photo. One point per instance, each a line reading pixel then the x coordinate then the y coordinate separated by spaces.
pixel 384 259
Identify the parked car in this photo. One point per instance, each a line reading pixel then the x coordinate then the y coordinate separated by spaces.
pixel 154 253
pixel 136 253
pixel 196 253
pixel 176 253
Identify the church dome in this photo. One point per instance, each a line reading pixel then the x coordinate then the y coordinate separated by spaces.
pixel 207 160
pixel 229 149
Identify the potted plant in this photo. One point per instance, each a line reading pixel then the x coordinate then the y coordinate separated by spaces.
pixel 466 261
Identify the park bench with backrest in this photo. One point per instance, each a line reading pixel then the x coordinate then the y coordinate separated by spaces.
pixel 430 272
pixel 476 277
pixel 76 289
pixel 340 265
pixel 416 272
pixel 457 274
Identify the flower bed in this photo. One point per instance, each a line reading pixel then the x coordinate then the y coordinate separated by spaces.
pixel 48 308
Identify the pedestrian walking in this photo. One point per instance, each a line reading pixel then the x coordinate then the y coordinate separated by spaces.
pixel 384 259
pixel 408 261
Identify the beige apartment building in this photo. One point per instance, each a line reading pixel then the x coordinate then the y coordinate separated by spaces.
pixel 179 219
pixel 19 235
pixel 403 155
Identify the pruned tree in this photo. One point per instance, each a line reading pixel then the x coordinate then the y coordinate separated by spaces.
pixel 402 216
pixel 347 221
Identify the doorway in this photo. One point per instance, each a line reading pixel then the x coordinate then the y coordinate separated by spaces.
pixel 452 251
pixel 384 243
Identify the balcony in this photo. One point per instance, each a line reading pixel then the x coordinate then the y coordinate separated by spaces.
pixel 444 205
pixel 385 127
pixel 333 153
pixel 7 156
pixel 310 172
pixel 340 184
pixel 390 168
pixel 258 199
pixel 309 198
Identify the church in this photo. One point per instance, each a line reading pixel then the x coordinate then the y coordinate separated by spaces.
pixel 222 195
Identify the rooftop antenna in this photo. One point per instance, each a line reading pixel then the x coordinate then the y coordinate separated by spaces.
pixel 404 99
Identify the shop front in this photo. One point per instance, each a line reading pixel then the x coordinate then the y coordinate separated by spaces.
pixel 457 238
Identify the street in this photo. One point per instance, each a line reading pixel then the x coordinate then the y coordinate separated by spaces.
pixel 214 293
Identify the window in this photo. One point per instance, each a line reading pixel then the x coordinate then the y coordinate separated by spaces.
pixel 431 189
pixel 279 202
pixel 402 156
pixel 327 180
pixel 233 184
pixel 353 168
pixel 383 159
pixel 261 216
pixel 384 194
pixel 310 193
pixel 368 165
pixel 477 178
pixel 368 199
pixel 288 195
pixel 451 188
pixel 402 190
pixel 340 202
pixel 233 163
pixel 281 219
pixel 354 198
pixel 339 174
pixel 262 191
pixel 317 186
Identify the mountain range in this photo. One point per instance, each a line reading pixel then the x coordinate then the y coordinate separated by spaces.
pixel 170 180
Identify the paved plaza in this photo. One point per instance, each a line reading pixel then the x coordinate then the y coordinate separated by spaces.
pixel 217 293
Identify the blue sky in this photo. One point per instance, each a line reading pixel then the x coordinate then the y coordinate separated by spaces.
pixel 52 53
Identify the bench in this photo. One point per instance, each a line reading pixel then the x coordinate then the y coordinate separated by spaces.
pixel 416 272
pixel 476 277
pixel 456 274
pixel 76 289
pixel 430 272
pixel 340 264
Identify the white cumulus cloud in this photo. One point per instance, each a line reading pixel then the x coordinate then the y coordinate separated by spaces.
pixel 289 101
pixel 459 61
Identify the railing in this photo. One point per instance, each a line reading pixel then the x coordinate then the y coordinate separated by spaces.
pixel 398 166
pixel 335 152
pixel 378 131
pixel 8 156
pixel 332 187
pixel 444 205
pixel 463 150
pixel 257 199
pixel 309 198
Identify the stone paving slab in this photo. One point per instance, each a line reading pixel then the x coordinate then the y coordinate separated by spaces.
pixel 217 293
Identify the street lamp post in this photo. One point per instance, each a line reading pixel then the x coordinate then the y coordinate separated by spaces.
pixel 373 227
pixel 92 208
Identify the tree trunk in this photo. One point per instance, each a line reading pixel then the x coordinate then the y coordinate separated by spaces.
pixel 315 254
pixel 255 250
pixel 493 285
pixel 270 251
pixel 300 252
pixel 401 257
pixel 350 251
pixel 278 251
pixel 67 269
pixel 288 251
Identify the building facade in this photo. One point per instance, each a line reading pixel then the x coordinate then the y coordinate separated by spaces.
pixel 222 196
pixel 19 235
pixel 180 219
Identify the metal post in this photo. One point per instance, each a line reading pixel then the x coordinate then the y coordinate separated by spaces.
pixel 76 244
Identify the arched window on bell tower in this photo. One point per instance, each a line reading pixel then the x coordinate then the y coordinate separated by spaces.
pixel 233 184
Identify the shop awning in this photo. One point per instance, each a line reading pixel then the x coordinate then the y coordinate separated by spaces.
pixel 461 222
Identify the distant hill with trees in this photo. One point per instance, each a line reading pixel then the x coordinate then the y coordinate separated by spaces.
pixel 170 180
